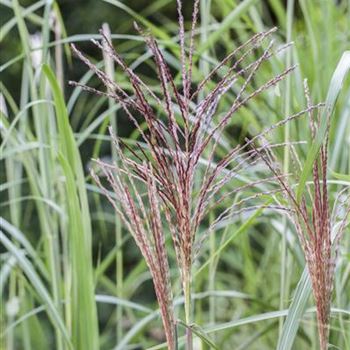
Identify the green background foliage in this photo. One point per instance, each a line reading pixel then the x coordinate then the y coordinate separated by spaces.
pixel 71 276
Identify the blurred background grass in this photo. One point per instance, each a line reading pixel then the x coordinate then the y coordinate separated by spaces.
pixel 257 272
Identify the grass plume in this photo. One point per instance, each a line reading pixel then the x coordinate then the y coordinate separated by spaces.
pixel 169 159
pixel 318 228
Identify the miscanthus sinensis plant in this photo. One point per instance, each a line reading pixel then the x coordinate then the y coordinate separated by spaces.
pixel 319 226
pixel 155 189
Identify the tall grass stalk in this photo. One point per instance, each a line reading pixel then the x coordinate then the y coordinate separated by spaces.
pixel 318 227
pixel 110 71
pixel 286 160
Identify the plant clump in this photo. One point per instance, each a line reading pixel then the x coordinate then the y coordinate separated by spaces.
pixel 155 184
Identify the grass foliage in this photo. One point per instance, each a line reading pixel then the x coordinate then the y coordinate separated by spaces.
pixel 71 276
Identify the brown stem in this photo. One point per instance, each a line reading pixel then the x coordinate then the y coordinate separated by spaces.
pixel 187 295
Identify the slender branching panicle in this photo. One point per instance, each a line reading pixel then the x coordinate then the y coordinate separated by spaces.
pixel 184 130
pixel 318 228
pixel 145 225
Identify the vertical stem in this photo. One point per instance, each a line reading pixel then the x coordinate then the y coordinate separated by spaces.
pixel 188 305
pixel 12 294
pixel 26 338
pixel 212 270
pixel 109 68
pixel 59 53
pixel 205 6
pixel 13 192
pixel 284 251
pixel 46 164
pixel 323 328
pixel 119 276
pixel 204 67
